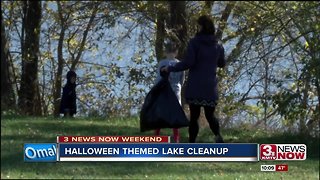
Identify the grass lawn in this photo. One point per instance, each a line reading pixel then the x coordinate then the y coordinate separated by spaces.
pixel 15 131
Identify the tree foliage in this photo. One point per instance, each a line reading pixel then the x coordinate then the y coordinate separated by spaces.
pixel 272 51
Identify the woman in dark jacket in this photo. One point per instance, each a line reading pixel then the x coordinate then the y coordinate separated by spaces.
pixel 68 105
pixel 204 55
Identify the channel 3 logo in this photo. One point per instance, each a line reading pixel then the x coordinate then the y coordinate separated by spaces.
pixel 283 152
pixel 268 152
pixel 45 152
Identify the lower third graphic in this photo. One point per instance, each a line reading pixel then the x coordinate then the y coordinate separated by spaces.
pixel 44 152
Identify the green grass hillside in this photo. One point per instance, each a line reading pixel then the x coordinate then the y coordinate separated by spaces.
pixel 15 131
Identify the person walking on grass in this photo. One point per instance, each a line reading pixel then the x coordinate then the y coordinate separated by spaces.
pixel 203 56
pixel 176 79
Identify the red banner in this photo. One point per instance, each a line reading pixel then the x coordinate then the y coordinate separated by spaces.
pixel 113 139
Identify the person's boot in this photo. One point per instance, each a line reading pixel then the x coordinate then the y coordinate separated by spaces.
pixel 176 139
pixel 219 139
pixel 176 135
pixel 192 140
pixel 157 132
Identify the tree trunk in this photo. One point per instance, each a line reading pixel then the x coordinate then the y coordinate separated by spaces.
pixel 208 7
pixel 302 118
pixel 224 18
pixel 8 98
pixel 315 58
pixel 58 77
pixel 29 95
pixel 160 34
pixel 84 38
pixel 266 91
pixel 318 91
pixel 178 22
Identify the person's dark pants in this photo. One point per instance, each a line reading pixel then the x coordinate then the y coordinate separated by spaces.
pixel 68 113
pixel 194 127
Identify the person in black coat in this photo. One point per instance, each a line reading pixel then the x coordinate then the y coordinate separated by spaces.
pixel 204 56
pixel 68 105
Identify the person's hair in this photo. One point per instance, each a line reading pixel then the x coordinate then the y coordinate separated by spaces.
pixel 207 26
pixel 71 74
pixel 171 47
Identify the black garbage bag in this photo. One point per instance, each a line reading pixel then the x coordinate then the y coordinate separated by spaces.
pixel 161 109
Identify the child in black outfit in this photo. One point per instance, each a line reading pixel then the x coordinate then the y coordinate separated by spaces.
pixel 68 105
